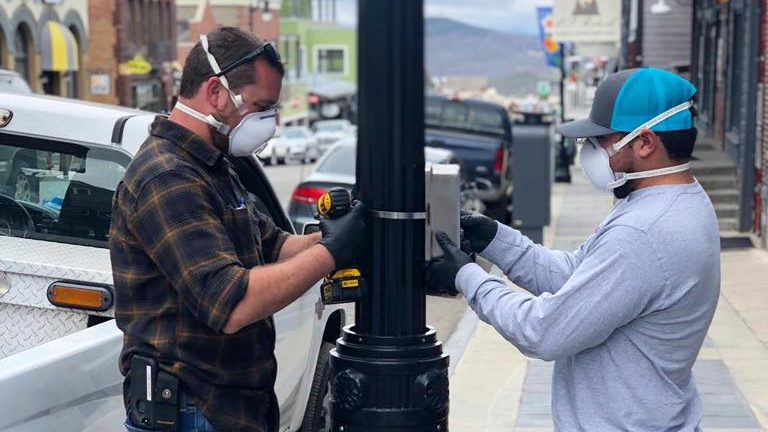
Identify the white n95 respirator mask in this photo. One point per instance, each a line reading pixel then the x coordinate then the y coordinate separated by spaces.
pixel 248 137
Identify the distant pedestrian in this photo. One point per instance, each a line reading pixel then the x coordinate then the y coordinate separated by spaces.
pixel 625 315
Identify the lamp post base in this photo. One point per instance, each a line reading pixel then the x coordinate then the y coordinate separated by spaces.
pixel 385 383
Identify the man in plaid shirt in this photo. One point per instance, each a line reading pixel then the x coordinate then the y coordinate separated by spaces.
pixel 198 270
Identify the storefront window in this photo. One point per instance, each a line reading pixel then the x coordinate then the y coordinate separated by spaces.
pixel 23 51
pixel 146 96
pixel 708 28
pixel 736 72
pixel 331 60
pixel 74 76
pixel 3 51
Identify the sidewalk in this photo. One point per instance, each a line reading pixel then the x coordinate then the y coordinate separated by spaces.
pixel 495 388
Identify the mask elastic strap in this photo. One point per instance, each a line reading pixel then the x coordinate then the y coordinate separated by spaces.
pixel 209 119
pixel 236 99
pixel 651 123
pixel 650 173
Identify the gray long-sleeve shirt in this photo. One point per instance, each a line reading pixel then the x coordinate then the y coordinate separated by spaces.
pixel 623 317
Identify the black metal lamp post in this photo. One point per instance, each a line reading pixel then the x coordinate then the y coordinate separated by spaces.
pixel 388 372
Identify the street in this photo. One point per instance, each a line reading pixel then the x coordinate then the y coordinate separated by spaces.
pixel 442 313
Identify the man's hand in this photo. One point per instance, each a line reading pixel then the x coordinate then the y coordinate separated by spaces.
pixel 441 273
pixel 478 229
pixel 343 236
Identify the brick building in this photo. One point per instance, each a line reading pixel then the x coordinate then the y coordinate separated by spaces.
pixel 134 49
pixel 46 42
pixel 196 17
pixel 101 63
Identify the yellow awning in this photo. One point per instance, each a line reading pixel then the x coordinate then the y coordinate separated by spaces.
pixel 58 47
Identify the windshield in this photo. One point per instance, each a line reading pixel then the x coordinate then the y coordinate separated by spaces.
pixel 294 133
pixel 340 160
pixel 58 194
pixel 436 156
pixel 466 117
pixel 11 83
pixel 329 127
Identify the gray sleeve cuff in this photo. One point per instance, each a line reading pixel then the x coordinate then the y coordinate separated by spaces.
pixel 498 250
pixel 469 278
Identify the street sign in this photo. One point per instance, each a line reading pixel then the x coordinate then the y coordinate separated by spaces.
pixel 136 66
pixel 544 89
pixel 587 21
pixel 100 84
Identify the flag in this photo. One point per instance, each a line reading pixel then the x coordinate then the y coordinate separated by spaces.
pixel 546 28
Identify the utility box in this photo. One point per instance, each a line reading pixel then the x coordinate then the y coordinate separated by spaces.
pixel 442 192
pixel 533 175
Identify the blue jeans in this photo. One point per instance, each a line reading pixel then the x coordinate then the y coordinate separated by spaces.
pixel 191 419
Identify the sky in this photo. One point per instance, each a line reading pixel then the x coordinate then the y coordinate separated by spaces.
pixel 510 16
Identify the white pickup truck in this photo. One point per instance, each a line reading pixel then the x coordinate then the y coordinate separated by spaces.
pixel 60 162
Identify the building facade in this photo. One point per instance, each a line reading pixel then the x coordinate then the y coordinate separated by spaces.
pixel 47 43
pixel 321 69
pixel 134 46
pixel 728 68
pixel 657 37
pixel 197 17
pixel 720 45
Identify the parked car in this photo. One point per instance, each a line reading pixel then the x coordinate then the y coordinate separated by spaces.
pixel 328 132
pixel 59 355
pixel 276 151
pixel 480 134
pixel 301 144
pixel 12 82
pixel 337 168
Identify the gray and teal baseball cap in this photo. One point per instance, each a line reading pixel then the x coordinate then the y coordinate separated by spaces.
pixel 628 99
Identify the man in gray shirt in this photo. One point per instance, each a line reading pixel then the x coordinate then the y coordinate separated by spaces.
pixel 625 315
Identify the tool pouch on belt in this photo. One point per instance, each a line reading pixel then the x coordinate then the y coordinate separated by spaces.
pixel 154 395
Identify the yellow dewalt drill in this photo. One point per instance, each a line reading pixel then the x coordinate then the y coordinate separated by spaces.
pixel 348 284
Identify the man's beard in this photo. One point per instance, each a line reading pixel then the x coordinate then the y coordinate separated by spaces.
pixel 622 191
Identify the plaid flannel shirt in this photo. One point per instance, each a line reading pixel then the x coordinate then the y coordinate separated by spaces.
pixel 184 235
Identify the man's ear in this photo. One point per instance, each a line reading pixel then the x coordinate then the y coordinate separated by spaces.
pixel 647 143
pixel 214 90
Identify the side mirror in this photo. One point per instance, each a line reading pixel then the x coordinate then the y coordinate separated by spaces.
pixel 311 228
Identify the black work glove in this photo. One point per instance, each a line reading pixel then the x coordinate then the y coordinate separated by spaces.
pixel 479 230
pixel 441 273
pixel 344 236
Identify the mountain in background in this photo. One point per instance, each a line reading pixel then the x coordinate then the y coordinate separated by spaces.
pixel 514 63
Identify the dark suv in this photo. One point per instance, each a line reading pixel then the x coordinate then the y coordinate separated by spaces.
pixel 480 135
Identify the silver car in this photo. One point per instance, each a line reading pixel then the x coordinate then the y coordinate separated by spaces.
pixel 328 132
pixel 337 168
pixel 301 144
pixel 12 82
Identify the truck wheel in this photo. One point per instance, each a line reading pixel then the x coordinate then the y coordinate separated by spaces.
pixel 317 417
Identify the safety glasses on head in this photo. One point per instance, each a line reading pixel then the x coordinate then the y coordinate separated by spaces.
pixel 266 50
